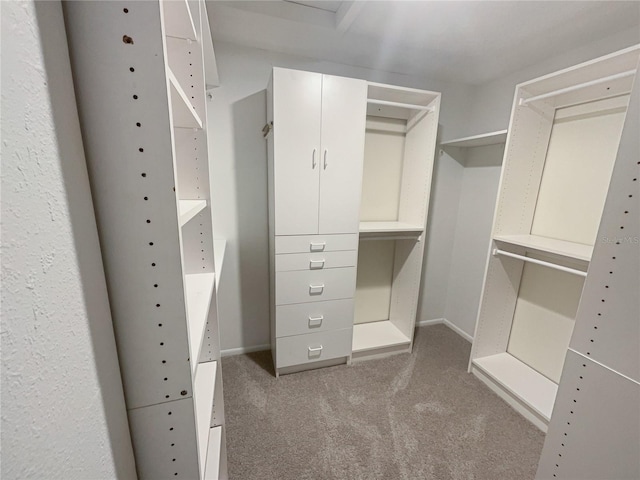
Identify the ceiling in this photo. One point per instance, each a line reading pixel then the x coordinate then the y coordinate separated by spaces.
pixel 462 41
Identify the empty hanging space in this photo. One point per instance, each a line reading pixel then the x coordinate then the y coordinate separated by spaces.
pixel 563 143
pixel 398 161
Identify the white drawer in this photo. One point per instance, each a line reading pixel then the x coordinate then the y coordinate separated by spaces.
pixel 313 317
pixel 316 261
pixel 313 347
pixel 315 285
pixel 316 243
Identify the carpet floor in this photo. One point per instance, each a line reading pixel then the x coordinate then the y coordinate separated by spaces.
pixel 418 416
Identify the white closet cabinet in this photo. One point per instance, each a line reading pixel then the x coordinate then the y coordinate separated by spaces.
pixel 140 73
pixel 317 167
pixel 318 215
pixel 560 153
pixel 315 173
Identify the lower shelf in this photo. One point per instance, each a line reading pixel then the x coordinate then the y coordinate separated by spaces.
pixel 203 393
pixel 529 392
pixel 376 335
pixel 212 469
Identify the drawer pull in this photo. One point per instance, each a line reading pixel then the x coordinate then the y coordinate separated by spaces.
pixel 315 350
pixel 317 246
pixel 316 289
pixel 315 321
pixel 316 264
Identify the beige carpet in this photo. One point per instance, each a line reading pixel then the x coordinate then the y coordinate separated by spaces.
pixel 418 416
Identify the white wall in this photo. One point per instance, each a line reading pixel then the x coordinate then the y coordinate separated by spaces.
pixel 478 191
pixel 492 102
pixel 239 179
pixel 63 412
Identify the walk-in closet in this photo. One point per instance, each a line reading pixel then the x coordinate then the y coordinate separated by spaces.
pixel 318 239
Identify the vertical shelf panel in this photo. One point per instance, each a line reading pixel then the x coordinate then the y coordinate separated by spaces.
pixel 131 169
pixel 593 432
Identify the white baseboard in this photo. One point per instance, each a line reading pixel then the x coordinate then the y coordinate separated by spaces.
pixel 424 323
pixel 240 350
pixel 455 328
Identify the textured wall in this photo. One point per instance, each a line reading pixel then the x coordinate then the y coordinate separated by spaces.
pixel 63 410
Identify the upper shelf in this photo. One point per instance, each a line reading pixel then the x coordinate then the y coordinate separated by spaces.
pixel 199 287
pixel 178 21
pixel 382 228
pixel 492 138
pixel 572 250
pixel 184 115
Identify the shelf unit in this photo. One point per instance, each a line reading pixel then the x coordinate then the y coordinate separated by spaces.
pixel 147 152
pixel 400 141
pixel 560 152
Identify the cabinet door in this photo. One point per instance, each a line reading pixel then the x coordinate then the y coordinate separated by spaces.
pixel 296 119
pixel 344 110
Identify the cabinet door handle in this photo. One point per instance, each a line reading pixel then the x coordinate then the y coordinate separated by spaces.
pixel 316 264
pixel 317 246
pixel 313 159
pixel 316 289
pixel 325 158
pixel 315 321
pixel 315 349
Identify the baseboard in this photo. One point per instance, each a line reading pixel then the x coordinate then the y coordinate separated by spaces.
pixel 455 328
pixel 424 323
pixel 240 350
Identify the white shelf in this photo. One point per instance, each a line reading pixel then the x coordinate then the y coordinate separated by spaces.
pixel 374 335
pixel 203 393
pixel 212 470
pixel 219 249
pixel 190 208
pixel 576 251
pixel 390 227
pixel 492 138
pixel 183 113
pixel 521 382
pixel 199 287
pixel 178 21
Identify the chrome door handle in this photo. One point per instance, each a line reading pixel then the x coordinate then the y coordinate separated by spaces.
pixel 315 321
pixel 325 158
pixel 316 264
pixel 316 289
pixel 313 159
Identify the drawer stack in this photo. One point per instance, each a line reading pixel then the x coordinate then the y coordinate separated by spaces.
pixel 315 280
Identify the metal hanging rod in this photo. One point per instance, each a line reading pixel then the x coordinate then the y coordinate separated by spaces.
pixel 401 105
pixel 580 273
pixel 598 81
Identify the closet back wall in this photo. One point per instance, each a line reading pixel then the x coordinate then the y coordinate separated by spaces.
pixel 239 185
